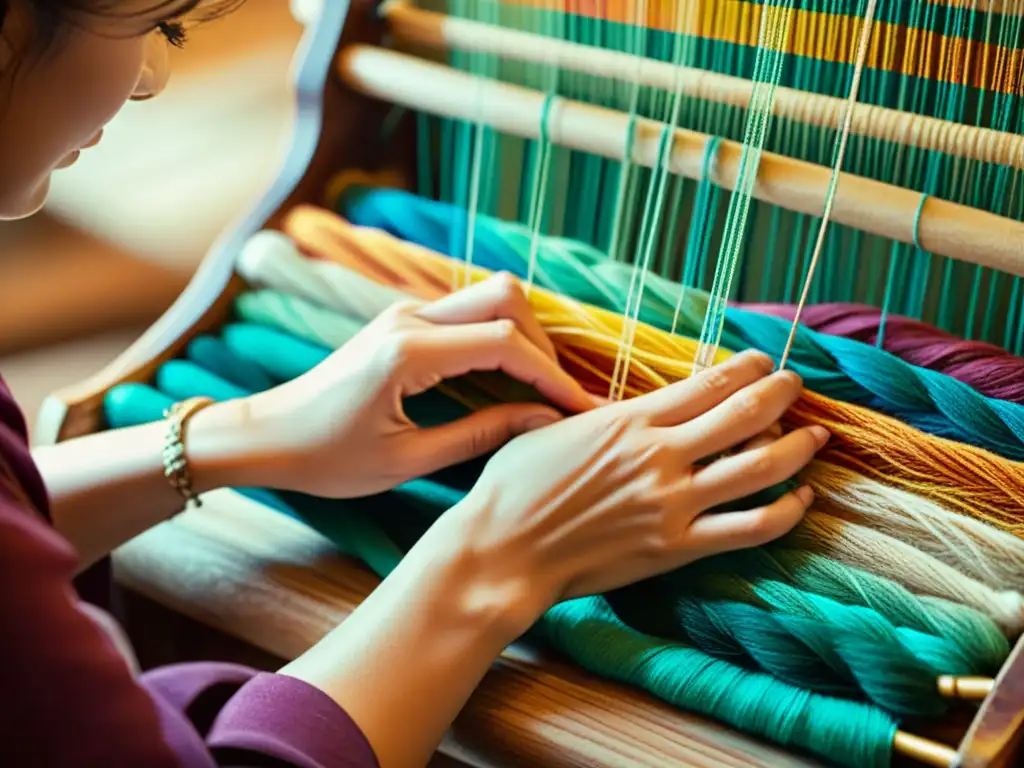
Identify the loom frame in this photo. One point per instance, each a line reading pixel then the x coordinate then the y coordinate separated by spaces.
pixel 336 128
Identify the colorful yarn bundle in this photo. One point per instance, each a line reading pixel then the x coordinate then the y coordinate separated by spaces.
pixel 958 476
pixel 987 368
pixel 934 638
pixel 836 367
pixel 269 261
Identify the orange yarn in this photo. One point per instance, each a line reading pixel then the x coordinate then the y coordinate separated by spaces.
pixel 962 477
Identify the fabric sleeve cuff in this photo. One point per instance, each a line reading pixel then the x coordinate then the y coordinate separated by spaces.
pixel 290 720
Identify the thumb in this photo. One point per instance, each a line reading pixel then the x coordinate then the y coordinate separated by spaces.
pixel 478 434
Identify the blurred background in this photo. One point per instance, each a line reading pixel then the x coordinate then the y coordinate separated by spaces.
pixel 126 227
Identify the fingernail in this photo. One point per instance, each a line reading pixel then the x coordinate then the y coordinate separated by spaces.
pixel 805 494
pixel 820 435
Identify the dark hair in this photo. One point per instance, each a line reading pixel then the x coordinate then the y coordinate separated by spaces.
pixel 51 16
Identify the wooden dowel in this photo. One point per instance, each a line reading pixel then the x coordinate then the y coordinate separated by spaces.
pixel 438 30
pixel 924 751
pixel 966 688
pixel 945 228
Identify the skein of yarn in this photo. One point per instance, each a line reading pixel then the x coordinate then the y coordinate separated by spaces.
pixel 947 542
pixel 987 368
pixel 846 732
pixel 856 545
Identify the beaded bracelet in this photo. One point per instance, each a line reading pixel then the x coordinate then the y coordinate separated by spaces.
pixel 176 467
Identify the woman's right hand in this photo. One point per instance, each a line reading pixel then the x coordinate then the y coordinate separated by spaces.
pixel 622 493
pixel 588 504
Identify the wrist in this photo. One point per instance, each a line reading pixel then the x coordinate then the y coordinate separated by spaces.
pixel 224 449
pixel 493 583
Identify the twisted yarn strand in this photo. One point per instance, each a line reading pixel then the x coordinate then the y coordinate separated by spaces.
pixel 963 477
pixel 869 550
pixel 834 366
pixel 986 368
pixel 973 548
pixel 981 645
pixel 846 732
pixel 839 657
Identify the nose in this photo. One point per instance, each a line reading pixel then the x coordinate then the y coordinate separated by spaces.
pixel 156 69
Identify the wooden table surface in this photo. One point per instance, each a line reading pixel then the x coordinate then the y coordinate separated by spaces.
pixel 256 575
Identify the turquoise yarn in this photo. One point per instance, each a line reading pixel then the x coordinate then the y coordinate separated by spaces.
pixel 982 646
pixel 840 368
pixel 213 354
pixel 814 654
pixel 844 732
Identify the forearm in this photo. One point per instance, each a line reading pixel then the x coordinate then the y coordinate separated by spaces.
pixel 406 661
pixel 107 488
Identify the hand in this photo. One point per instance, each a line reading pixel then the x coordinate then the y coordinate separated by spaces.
pixel 619 494
pixel 341 429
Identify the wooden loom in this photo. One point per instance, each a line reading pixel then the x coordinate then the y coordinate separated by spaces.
pixel 251 573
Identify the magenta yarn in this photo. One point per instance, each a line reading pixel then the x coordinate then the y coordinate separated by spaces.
pixel 987 368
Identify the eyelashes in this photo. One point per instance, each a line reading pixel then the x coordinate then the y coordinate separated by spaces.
pixel 174 32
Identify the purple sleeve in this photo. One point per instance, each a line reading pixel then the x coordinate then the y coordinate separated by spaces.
pixel 70 698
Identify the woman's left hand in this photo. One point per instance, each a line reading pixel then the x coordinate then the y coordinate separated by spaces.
pixel 340 430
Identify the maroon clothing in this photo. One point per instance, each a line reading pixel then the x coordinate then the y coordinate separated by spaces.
pixel 69 698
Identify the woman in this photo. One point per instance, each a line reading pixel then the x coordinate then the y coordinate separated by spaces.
pixel 614 493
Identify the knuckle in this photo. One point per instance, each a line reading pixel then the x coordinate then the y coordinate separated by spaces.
pixel 762 463
pixel 748 405
pixel 401 309
pixel 506 288
pixel 756 527
pixel 715 379
pixel 505 331
pixel 397 349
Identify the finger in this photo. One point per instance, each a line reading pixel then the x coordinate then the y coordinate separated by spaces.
pixel 743 415
pixel 769 436
pixel 455 350
pixel 498 297
pixel 475 435
pixel 744 474
pixel 715 532
pixel 685 400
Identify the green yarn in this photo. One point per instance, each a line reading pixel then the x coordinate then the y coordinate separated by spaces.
pixel 814 654
pixel 844 732
pixel 982 647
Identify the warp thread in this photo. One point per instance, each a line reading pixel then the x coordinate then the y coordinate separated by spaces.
pixel 962 477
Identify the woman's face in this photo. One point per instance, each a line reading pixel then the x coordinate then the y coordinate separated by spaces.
pixel 55 103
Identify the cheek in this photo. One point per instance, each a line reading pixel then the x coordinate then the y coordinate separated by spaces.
pixel 94 86
pixel 55 107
